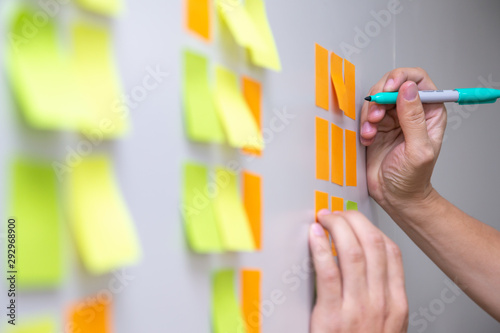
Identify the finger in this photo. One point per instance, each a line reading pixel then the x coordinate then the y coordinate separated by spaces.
pixel 350 255
pixel 328 280
pixel 372 112
pixel 397 77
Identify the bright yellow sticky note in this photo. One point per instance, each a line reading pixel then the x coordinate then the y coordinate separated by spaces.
pixel 322 153
pixel 345 90
pixel 337 155
pixel 202 122
pixel 35 209
pixel 40 75
pixel 250 299
pixel 252 92
pixel 45 325
pixel 102 226
pixel 97 80
pixel 232 220
pixel 322 81
pixel 268 56
pixel 103 7
pixel 199 218
pixel 252 199
pixel 240 126
pixel 226 312
pixel 351 178
pixel 198 17
pixel 90 316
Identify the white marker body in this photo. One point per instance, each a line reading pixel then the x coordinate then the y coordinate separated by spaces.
pixel 438 96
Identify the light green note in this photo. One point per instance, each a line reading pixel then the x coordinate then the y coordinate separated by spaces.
pixel 103 7
pixel 351 205
pixel 33 326
pixel 226 312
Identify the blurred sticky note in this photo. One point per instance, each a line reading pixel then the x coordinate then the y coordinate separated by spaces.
pixel 103 7
pixel 268 55
pixel 337 155
pixel 35 207
pixel 345 89
pixel 251 299
pixel 240 126
pixel 252 92
pixel 202 121
pixel 45 325
pixel 102 226
pixel 321 202
pixel 199 17
pixel 252 200
pixel 226 312
pixel 198 211
pixel 40 75
pixel 351 205
pixel 350 158
pixel 97 80
pixel 231 217
pixel 337 204
pixel 322 81
pixel 91 316
pixel 322 150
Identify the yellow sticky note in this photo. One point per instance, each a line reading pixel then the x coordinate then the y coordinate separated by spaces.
pixel 101 223
pixel 251 299
pixel 351 178
pixel 198 17
pixel 198 211
pixel 201 120
pixel 97 80
pixel 226 313
pixel 237 120
pixel 267 56
pixel 322 153
pixel 35 209
pixel 345 90
pixel 337 155
pixel 90 316
pixel 232 220
pixel 45 325
pixel 103 7
pixel 40 75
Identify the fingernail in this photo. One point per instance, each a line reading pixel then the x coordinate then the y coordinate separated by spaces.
pixel 411 92
pixel 324 212
pixel 389 84
pixel 367 128
pixel 318 229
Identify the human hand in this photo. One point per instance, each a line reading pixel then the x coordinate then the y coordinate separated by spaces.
pixel 403 140
pixel 365 292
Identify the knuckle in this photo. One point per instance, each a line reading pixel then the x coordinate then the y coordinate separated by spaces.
pixel 376 239
pixel 355 255
pixel 421 70
pixel 394 250
pixel 425 155
pixel 329 276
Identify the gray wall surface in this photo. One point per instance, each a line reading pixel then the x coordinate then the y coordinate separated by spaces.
pixel 456 41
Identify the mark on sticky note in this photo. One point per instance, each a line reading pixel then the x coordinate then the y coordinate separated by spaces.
pixel 199 217
pixel 198 17
pixel 91 315
pixel 250 302
pixel 351 158
pixel 351 205
pixel 344 90
pixel 103 7
pixel 322 150
pixel 252 92
pixel 337 155
pixel 322 80
pixel 226 312
pixel 252 199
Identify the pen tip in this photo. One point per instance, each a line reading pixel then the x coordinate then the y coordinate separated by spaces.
pixel 368 98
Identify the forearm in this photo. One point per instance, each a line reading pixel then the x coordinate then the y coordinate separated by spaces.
pixel 467 250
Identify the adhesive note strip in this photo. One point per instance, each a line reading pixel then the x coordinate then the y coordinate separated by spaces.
pixel 345 90
pixel 322 150
pixel 252 92
pixel 198 18
pixel 226 313
pixel 350 157
pixel 199 218
pixel 91 316
pixel 103 7
pixel 201 119
pixel 252 199
pixel 101 224
pixel 251 296
pixel 351 205
pixel 322 80
pixel 337 155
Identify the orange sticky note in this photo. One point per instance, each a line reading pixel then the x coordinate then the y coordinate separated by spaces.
pixel 322 81
pixel 250 291
pixel 252 200
pixel 90 316
pixel 337 204
pixel 344 85
pixel 322 150
pixel 337 155
pixel 351 178
pixel 198 16
pixel 252 92
pixel 321 202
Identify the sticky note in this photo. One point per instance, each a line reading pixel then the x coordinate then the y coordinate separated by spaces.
pixel 231 217
pixel 198 18
pixel 337 204
pixel 97 80
pixel 267 56
pixel 226 312
pixel 250 299
pixel 252 92
pixel 252 200
pixel 91 316
pixel 321 202
pixel 199 218
pixel 35 208
pixel 40 75
pixel 240 126
pixel 322 78
pixel 351 205
pixel 103 7
pixel 322 150
pixel 201 120
pixel 337 155
pixel 350 158
pixel 345 90
pixel 45 325
pixel 101 223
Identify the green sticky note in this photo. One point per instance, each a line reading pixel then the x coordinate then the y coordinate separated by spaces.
pixel 267 56
pixel 231 217
pixel 351 205
pixel 101 223
pixel 199 218
pixel 202 122
pixel 34 326
pixel 103 7
pixel 97 80
pixel 35 208
pixel 237 120
pixel 41 76
pixel 226 312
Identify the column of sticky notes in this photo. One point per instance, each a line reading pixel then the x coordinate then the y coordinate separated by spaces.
pixel 222 206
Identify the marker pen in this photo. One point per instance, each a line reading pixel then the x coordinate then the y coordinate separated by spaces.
pixel 461 96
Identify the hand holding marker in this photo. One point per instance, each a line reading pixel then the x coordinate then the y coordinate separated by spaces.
pixel 462 96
